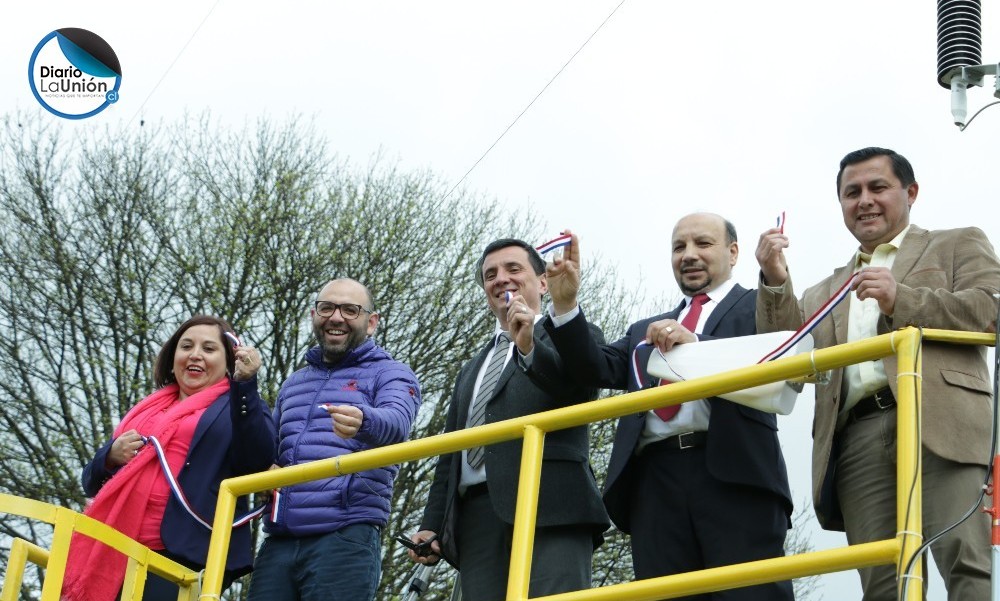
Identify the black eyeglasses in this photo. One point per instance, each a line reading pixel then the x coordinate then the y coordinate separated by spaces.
pixel 348 310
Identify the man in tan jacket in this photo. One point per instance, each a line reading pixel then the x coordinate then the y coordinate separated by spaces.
pixel 908 277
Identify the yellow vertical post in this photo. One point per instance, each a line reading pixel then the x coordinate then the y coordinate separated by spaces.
pixel 909 479
pixel 215 563
pixel 58 554
pixel 522 542
pixel 14 576
pixel 189 593
pixel 135 578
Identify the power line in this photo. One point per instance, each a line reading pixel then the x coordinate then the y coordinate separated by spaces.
pixel 171 66
pixel 542 91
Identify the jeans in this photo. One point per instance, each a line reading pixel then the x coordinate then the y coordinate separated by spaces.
pixel 338 566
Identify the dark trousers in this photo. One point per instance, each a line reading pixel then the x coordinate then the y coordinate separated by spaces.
pixel 160 589
pixel 684 520
pixel 560 561
pixel 344 565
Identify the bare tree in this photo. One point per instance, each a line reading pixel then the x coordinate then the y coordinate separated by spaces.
pixel 108 242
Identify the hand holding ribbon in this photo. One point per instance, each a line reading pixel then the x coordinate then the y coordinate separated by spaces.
pixel 563 275
pixel 247 359
pixel 771 257
pixel 877 283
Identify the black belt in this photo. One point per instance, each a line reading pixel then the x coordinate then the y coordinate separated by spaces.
pixel 475 490
pixel 882 400
pixel 684 440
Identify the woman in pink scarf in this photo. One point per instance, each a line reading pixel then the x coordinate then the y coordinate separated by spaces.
pixel 209 419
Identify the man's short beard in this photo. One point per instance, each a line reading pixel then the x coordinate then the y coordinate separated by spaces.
pixel 335 353
pixel 691 292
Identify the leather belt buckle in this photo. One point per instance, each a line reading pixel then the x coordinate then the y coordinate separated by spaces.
pixel 880 400
pixel 685 440
pixel 884 396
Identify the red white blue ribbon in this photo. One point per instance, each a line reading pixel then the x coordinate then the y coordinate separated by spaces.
pixel 781 223
pixel 784 347
pixel 561 241
pixel 275 501
pixel 820 314
pixel 636 372
pixel 179 494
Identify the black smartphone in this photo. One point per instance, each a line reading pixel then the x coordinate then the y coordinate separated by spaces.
pixel 422 549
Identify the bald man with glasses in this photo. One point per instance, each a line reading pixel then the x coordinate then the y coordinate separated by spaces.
pixel 324 537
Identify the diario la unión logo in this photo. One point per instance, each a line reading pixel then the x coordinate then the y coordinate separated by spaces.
pixel 74 73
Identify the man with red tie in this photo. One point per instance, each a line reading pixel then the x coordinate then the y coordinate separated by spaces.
pixel 703 484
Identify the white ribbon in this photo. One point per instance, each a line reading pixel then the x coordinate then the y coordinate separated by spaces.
pixel 175 488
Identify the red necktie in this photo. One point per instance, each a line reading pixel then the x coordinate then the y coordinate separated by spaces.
pixel 690 322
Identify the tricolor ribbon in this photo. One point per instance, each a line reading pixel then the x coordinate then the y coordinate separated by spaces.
pixel 562 240
pixel 781 223
pixel 232 337
pixel 179 494
pixel 275 500
pixel 820 314
pixel 636 372
pixel 785 346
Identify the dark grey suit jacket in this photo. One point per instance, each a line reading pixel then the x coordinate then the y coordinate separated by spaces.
pixel 568 493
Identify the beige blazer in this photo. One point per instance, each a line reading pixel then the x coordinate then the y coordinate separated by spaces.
pixel 946 279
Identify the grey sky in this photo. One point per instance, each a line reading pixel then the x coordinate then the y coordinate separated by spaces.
pixel 733 107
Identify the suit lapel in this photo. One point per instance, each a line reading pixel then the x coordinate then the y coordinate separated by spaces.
pixel 843 310
pixel 911 249
pixel 468 383
pixel 511 366
pixel 727 303
pixel 212 413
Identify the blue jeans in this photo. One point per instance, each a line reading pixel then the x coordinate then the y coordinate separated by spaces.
pixel 339 566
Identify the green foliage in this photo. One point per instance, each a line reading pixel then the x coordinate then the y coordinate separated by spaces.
pixel 108 242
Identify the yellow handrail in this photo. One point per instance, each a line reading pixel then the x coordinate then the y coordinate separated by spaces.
pixel 66 522
pixel 904 344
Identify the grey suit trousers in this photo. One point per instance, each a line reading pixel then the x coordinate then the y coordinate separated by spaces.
pixel 866 486
pixel 561 561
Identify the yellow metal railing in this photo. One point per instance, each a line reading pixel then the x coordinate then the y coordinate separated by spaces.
pixel 21 552
pixel 66 522
pixel 904 344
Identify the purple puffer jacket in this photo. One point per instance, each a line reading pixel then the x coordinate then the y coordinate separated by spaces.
pixel 387 393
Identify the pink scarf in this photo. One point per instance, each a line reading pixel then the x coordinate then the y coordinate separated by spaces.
pixel 95 572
